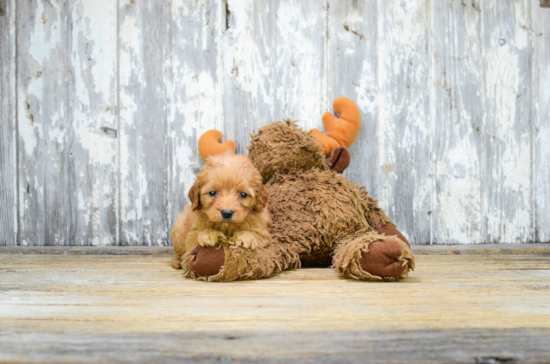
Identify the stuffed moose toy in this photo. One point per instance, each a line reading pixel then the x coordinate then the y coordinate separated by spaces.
pixel 319 217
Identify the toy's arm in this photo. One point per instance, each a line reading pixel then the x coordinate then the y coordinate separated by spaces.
pixel 210 144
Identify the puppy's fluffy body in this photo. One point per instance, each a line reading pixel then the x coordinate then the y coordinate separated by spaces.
pixel 227 182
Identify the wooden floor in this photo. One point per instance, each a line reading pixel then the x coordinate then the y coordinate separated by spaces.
pixel 461 305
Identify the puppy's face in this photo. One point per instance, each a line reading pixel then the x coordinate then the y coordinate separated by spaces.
pixel 228 189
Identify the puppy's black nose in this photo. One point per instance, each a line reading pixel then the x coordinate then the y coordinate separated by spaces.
pixel 227 214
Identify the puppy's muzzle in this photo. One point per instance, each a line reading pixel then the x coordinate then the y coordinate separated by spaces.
pixel 227 214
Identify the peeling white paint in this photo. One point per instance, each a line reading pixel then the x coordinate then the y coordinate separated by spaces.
pixel 366 89
pixel 26 133
pixel 46 35
pixel 444 89
pixel 273 66
pixel 509 202
pixel 100 148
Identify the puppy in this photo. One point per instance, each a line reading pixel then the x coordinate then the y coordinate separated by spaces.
pixel 228 205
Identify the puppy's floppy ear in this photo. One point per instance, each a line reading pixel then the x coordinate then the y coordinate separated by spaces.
pixel 195 195
pixel 262 196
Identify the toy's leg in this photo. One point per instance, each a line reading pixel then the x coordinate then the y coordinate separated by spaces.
pixel 391 230
pixel 373 256
pixel 378 219
pixel 230 263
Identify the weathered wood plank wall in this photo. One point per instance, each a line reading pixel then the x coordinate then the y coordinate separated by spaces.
pixel 540 111
pixel 43 122
pixel 103 103
pixel 93 122
pixel 457 110
pixel 507 128
pixel 8 127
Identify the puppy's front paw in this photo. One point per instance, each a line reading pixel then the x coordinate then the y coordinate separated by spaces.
pixel 247 240
pixel 210 237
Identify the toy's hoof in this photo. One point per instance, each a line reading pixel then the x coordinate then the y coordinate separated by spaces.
pixel 391 230
pixel 208 261
pixel 382 259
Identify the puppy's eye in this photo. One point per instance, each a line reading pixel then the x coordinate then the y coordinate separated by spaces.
pixel 212 193
pixel 244 194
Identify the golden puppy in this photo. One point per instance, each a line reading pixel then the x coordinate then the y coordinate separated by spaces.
pixel 228 203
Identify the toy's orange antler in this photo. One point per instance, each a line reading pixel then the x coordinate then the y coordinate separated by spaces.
pixel 341 132
pixel 210 143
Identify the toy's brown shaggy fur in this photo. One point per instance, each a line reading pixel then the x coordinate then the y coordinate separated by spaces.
pixel 227 182
pixel 319 218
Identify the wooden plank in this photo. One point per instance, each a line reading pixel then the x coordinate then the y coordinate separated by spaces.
pixel 143 60
pixel 466 346
pixel 8 129
pixel 194 91
pixel 508 187
pixel 93 121
pixel 167 251
pixel 545 3
pixel 483 249
pixel 404 128
pixel 451 309
pixel 445 292
pixel 273 64
pixel 474 249
pixel 177 63
pixel 457 114
pixel 43 125
pixel 541 121
pixel 352 71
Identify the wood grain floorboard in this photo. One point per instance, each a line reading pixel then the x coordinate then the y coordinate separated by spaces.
pixel 477 249
pixel 134 308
